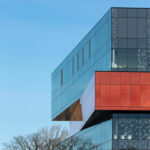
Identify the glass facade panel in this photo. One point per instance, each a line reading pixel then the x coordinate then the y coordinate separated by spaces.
pixel 133 130
pixel 133 32
pixel 122 27
pixel 122 12
pixel 94 55
pixel 132 27
pixel 132 43
pixel 141 27
pixel 132 12
pixel 122 43
pixel 98 137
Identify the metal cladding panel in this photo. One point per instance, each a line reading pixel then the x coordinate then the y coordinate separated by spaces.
pixel 122 90
pixel 69 80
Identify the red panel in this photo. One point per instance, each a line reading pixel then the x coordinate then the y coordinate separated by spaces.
pixel 97 95
pixel 105 95
pixel 145 78
pixel 135 78
pixel 115 95
pixel 145 95
pixel 125 78
pixel 97 77
pixel 115 78
pixel 135 95
pixel 105 77
pixel 125 95
pixel 129 91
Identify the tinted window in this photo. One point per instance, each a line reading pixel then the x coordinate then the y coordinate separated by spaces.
pixel 72 65
pixel 61 80
pixel 132 27
pixel 122 12
pixel 132 12
pixel 82 56
pixel 122 27
pixel 141 12
pixel 141 43
pixel 121 58
pixel 141 28
pixel 132 58
pixel 132 43
pixel 77 61
pixel 122 43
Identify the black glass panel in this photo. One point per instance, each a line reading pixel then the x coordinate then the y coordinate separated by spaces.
pixel 141 27
pixel 141 43
pixel 132 43
pixel 132 58
pixel 122 43
pixel 141 12
pixel 132 12
pixel 132 27
pixel 122 27
pixel 122 12
pixel 121 58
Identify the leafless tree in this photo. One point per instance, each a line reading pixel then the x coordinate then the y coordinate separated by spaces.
pixel 79 143
pixel 44 139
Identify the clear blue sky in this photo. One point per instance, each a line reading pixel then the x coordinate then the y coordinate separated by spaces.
pixel 35 36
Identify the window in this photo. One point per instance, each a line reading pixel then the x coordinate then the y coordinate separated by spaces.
pixel 122 43
pixel 141 28
pixel 73 66
pixel 132 28
pixel 89 48
pixel 77 61
pixel 141 43
pixel 141 12
pixel 132 43
pixel 82 56
pixel 132 12
pixel 61 78
pixel 132 59
pixel 122 12
pixel 122 27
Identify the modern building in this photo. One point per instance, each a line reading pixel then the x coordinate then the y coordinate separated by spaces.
pixel 103 86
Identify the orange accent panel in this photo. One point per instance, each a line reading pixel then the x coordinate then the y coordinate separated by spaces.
pixel 145 78
pixel 122 91
pixel 98 95
pixel 145 95
pixel 97 77
pixel 135 95
pixel 125 95
pixel 105 77
pixel 125 78
pixel 105 95
pixel 135 78
pixel 115 78
pixel 115 95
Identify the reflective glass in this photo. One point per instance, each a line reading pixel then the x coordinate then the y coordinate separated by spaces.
pixel 132 27
pixel 132 43
pixel 141 12
pixel 122 27
pixel 142 43
pixel 141 27
pixel 132 58
pixel 132 12
pixel 122 12
pixel 122 43
pixel 133 130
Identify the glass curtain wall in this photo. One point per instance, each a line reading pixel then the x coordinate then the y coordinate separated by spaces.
pixel 130 39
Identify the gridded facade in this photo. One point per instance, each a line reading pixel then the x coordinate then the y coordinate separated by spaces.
pixel 131 131
pixel 130 39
